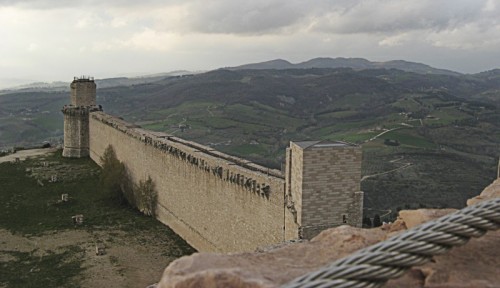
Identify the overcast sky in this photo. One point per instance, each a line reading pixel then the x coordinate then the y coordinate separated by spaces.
pixel 54 40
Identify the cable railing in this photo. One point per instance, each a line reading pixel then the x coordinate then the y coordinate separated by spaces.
pixel 375 265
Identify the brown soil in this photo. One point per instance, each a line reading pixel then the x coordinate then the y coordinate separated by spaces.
pixel 127 262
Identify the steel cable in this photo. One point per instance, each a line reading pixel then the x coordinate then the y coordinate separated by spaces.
pixel 373 266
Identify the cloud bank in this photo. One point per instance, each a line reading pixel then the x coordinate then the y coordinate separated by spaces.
pixel 162 35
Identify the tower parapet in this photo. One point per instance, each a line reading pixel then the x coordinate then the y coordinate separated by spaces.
pixel 76 117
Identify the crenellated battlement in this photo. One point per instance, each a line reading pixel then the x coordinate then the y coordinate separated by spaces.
pixel 83 78
pixel 80 110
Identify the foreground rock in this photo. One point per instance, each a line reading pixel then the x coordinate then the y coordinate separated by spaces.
pixel 267 269
pixel 473 265
pixel 490 192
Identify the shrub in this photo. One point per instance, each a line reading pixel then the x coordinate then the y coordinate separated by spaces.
pixel 146 196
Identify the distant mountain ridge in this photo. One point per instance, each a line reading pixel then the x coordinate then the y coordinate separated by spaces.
pixel 340 62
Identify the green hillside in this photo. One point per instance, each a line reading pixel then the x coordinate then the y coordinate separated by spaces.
pixel 428 140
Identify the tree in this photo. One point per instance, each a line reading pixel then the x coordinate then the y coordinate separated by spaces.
pixel 367 222
pixel 112 175
pixel 376 221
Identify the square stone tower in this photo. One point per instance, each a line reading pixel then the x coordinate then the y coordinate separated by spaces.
pixel 323 185
pixel 83 91
pixel 76 117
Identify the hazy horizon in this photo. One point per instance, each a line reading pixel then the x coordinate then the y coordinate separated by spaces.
pixel 49 40
pixel 15 83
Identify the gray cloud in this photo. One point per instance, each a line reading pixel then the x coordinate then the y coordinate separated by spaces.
pixel 356 16
pixel 251 17
pixel 325 16
pixel 90 4
pixel 163 35
pixel 386 16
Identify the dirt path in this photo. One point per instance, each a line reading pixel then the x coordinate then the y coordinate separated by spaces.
pixel 209 111
pixel 406 165
pixel 23 154
pixel 382 133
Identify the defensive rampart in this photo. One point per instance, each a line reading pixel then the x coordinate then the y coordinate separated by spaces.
pixel 214 201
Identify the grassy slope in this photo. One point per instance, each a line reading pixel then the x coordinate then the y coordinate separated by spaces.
pixel 29 209
pixel 30 118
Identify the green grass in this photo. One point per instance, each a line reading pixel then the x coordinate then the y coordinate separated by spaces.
pixel 50 270
pixel 351 127
pixel 339 114
pixel 352 100
pixel 446 116
pixel 50 121
pixel 77 177
pixel 248 114
pixel 407 104
pixel 21 193
pixel 159 126
pixel 268 108
pixel 218 123
pixel 200 116
pixel 247 149
pixel 436 101
pixel 29 209
pixel 405 137
pixel 350 137
pixel 17 107
pixel 435 179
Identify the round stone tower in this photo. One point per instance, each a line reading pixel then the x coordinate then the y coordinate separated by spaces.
pixel 76 117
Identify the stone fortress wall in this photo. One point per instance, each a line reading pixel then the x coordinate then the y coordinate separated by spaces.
pixel 214 201
pixel 222 203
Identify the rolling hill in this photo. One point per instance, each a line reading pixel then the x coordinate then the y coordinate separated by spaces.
pixel 429 140
pixel 353 63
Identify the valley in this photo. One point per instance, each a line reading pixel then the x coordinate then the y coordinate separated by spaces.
pixel 429 140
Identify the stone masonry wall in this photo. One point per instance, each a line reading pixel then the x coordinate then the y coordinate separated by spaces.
pixel 331 188
pixel 297 173
pixel 214 201
pixel 76 132
pixel 323 185
pixel 293 200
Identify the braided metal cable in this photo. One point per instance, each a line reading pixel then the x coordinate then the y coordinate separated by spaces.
pixel 375 265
